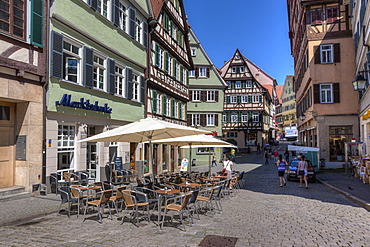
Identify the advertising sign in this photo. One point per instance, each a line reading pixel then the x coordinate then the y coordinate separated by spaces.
pixel 184 165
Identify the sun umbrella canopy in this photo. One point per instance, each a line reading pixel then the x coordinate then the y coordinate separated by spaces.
pixel 144 130
pixel 192 140
pixel 212 146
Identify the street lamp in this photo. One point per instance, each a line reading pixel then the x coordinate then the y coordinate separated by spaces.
pixel 359 82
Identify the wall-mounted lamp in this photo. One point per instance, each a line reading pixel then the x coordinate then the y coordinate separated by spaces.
pixel 359 83
pixel 303 116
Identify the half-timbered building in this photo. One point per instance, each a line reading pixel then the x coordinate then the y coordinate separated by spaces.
pixel 22 77
pixel 168 63
pixel 247 117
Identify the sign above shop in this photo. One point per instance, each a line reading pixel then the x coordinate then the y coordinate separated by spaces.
pixel 83 104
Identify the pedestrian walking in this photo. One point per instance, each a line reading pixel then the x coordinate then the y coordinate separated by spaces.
pixel 228 167
pixel 266 158
pixel 214 160
pixel 286 154
pixel 302 170
pixel 232 155
pixel 258 148
pixel 281 165
pixel 276 154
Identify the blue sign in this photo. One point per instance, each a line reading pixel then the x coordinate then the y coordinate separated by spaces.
pixel 83 104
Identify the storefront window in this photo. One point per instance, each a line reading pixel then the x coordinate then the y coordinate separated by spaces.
pixel 338 135
pixel 251 139
pixel 66 137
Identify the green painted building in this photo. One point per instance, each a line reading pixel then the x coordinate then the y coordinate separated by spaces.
pixel 95 83
pixel 206 99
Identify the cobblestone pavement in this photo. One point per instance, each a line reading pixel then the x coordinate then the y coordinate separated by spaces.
pixel 263 214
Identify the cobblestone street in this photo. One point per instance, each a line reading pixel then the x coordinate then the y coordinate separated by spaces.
pixel 263 214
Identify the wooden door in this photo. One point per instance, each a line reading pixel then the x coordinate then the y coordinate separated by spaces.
pixel 6 157
pixel 133 157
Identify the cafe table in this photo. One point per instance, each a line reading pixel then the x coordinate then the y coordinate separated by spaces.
pixel 189 185
pixel 163 193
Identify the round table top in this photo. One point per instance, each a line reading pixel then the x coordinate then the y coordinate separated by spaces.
pixel 190 185
pixel 168 192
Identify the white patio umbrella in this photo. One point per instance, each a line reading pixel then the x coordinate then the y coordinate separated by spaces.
pixel 226 145
pixel 190 141
pixel 144 130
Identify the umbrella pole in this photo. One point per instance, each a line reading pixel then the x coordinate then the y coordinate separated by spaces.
pixel 209 163
pixel 190 161
pixel 150 162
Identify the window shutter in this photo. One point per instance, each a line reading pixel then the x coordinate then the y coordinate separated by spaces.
pixel 154 101
pixel 232 85
pixel 238 99
pixel 88 62
pixel 156 56
pixel 115 12
pixel 94 4
pixel 128 83
pixel 173 108
pixel 250 117
pixel 216 119
pixel 203 96
pixel 336 92
pixel 336 53
pixel 181 74
pixel 244 84
pixel 37 22
pixel 239 117
pixel 203 119
pixel 316 93
pixel 196 72
pixel 208 73
pixel 260 98
pixel 249 98
pixel 317 54
pixel 57 55
pixel 111 76
pixel 180 110
pixel 228 99
pixel 189 119
pixel 145 34
pixel 216 96
pixel 142 89
pixel 132 19
pixel 166 61
pixel 166 22
pixel 164 105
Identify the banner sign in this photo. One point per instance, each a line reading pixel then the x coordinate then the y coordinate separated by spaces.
pixel 83 104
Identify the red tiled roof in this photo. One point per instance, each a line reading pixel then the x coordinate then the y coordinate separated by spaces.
pixel 279 92
pixel 157 7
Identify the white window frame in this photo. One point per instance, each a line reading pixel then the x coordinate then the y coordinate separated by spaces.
pixel 169 62
pixel 224 118
pixel 255 98
pixel 123 17
pixel 326 94
pixel 255 117
pixel 202 72
pixel 69 138
pixel 234 118
pixel 195 120
pixel 104 8
pixel 138 30
pixel 191 73
pixel 233 99
pixel 135 87
pixel 211 119
pixel 120 80
pixel 193 52
pixel 159 103
pixel 327 53
pixel 73 56
pixel 99 70
pixel 211 95
pixel 244 118
pixel 238 84
pixel 244 99
pixel 249 84
pixel 195 95
pixel 161 57
pixel 168 106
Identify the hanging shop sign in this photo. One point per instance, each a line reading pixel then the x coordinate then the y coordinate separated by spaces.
pixel 83 104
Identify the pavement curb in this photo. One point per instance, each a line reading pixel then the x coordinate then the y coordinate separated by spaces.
pixel 26 218
pixel 352 198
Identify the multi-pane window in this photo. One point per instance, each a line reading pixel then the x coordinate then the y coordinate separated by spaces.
pixel 71 59
pixel 202 72
pixel 210 119
pixel 233 99
pixel 12 17
pixel 224 118
pixel 211 95
pixel 237 69
pixel 168 106
pixel 160 54
pixel 159 103
pixel 238 84
pixel 135 87
pixel 169 64
pixel 66 136
pixel 326 53
pixel 332 13
pixel 99 72
pixel 120 81
pixel 196 120
pixel 244 117
pixel 122 16
pixel 314 16
pixel 138 30
pixel 103 7
pixel 191 73
pixel 249 84
pixel 255 98
pixel 175 108
pixel 234 118
pixel 193 52
pixel 326 93
pixel 255 117
pixel 196 95
pixel 244 99
pixel 232 134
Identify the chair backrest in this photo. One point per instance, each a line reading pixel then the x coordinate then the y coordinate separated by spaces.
pixel 65 193
pixel 106 196
pixel 67 176
pixel 219 188
pixel 139 196
pixel 186 200
pixel 119 194
pixel 194 196
pixel 74 191
pixel 127 198
pixel 211 192
pixel 53 178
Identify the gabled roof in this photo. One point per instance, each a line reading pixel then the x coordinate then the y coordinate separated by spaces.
pixel 157 7
pixel 279 92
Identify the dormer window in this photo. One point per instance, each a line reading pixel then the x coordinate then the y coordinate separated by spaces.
pixel 193 52
pixel 237 56
pixel 237 69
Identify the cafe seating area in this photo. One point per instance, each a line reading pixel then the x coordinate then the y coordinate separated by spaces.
pixel 166 200
pixel 361 168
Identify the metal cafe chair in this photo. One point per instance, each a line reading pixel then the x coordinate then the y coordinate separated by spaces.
pixel 132 203
pixel 66 198
pixel 104 200
pixel 176 207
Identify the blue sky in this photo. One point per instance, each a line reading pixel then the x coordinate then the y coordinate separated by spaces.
pixel 259 29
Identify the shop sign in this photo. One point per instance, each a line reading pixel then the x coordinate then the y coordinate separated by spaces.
pixel 366 115
pixel 83 104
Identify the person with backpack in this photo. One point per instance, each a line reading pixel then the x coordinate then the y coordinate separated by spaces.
pixel 281 164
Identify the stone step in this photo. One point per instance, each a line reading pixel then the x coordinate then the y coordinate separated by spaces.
pixel 13 193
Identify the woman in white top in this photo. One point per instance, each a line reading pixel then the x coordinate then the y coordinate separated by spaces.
pixel 228 166
pixel 302 171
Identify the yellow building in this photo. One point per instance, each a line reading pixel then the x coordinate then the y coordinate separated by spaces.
pixel 288 102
